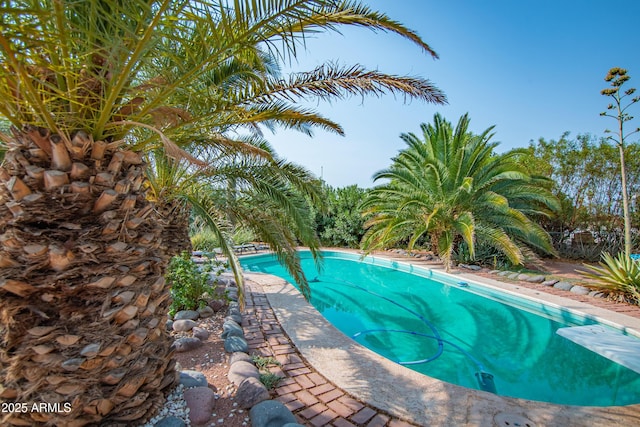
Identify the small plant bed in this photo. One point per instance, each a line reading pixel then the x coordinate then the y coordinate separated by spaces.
pixel 268 378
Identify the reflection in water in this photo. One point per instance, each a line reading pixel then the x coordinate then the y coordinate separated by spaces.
pixel 459 335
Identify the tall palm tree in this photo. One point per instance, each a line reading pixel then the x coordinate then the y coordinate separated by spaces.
pixel 86 86
pixel 450 186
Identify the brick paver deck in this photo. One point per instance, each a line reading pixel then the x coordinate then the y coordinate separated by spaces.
pixel 312 399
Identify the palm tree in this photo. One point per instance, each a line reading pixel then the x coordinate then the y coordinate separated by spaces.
pixel 87 86
pixel 270 198
pixel 450 186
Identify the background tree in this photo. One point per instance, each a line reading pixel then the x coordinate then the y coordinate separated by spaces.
pixel 617 77
pixel 451 187
pixel 86 87
pixel 584 175
pixel 341 223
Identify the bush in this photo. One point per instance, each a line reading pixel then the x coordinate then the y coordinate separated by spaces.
pixel 204 240
pixel 270 380
pixel 189 283
pixel 619 275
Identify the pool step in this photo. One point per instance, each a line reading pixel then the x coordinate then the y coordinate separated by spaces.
pixel 622 349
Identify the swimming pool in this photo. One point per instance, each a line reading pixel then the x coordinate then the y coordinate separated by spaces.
pixel 463 334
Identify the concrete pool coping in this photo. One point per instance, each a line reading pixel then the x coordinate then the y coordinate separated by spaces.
pixel 417 398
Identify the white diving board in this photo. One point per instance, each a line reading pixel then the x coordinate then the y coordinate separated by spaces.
pixel 622 349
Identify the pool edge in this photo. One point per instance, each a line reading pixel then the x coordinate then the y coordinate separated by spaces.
pixel 408 394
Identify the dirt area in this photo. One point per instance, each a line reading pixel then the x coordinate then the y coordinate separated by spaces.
pixel 564 268
pixel 212 361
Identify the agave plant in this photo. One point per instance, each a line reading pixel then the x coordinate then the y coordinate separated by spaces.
pixel 616 275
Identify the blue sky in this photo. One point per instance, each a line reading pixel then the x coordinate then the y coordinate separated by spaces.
pixel 531 68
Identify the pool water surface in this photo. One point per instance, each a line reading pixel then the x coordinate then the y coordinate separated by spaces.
pixel 458 332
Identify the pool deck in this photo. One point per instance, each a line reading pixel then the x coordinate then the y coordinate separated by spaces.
pixel 330 380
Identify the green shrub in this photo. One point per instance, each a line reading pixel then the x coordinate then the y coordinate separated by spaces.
pixel 270 380
pixel 619 275
pixel 204 240
pixel 189 283
pixel 262 363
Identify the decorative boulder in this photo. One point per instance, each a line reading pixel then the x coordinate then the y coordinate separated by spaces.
pixel 170 422
pixel 233 344
pixel 186 314
pixel 535 279
pixel 235 317
pixel 186 344
pixel 580 290
pixel 239 356
pixel 251 392
pixel 231 329
pixel 205 311
pixel 271 413
pixel 549 282
pixel 190 379
pixel 201 401
pixel 565 286
pixel 241 370
pixel 200 333
pixel 217 305
pixel 183 325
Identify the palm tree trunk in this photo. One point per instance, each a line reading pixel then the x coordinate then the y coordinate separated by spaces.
pixel 84 301
pixel 175 236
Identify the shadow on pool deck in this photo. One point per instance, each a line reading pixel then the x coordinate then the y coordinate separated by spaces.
pixel 407 394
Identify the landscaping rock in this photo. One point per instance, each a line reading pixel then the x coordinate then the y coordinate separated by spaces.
pixel 233 344
pixel 251 392
pixel 170 422
pixel 535 279
pixel 504 273
pixel 231 328
pixel 234 311
pixel 292 425
pixel 201 401
pixel 186 344
pixel 217 305
pixel 241 370
pixel 565 286
pixel 271 413
pixel 235 317
pixel 227 280
pixel 200 333
pixel 169 325
pixel 513 276
pixel 190 379
pixel 239 356
pixel 232 293
pixel 549 282
pixel 495 272
pixel 234 304
pixel 205 312
pixel 186 314
pixel 580 290
pixel 184 325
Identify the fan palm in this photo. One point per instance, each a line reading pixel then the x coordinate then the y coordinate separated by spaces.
pixel 450 186
pixel 86 85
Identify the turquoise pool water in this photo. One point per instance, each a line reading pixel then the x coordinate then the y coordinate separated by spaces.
pixel 462 333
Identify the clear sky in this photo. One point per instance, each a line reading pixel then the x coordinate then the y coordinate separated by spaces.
pixel 531 68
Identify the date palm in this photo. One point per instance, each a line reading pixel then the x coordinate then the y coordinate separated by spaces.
pixel 270 197
pixel 88 86
pixel 451 186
